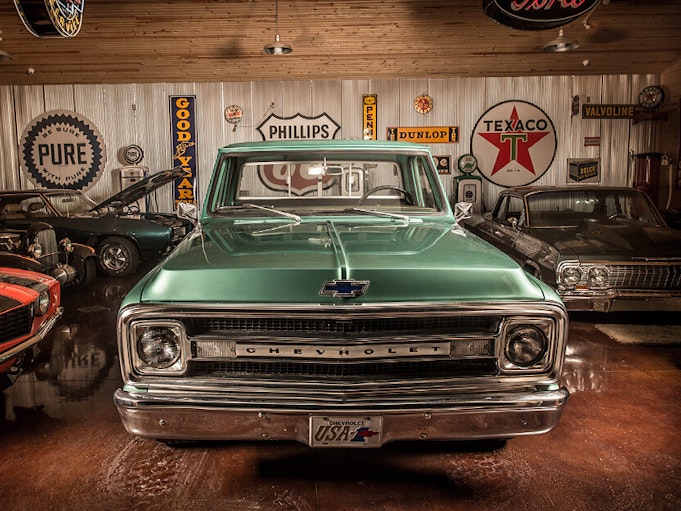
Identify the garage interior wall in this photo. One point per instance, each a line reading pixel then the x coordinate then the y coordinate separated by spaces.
pixel 138 113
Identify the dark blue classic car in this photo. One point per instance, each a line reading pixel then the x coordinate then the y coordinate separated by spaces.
pixel 121 234
pixel 601 248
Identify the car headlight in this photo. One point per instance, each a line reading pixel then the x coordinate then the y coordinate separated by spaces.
pixel 525 345
pixel 159 347
pixel 570 275
pixel 36 250
pixel 598 276
pixel 66 245
pixel 42 303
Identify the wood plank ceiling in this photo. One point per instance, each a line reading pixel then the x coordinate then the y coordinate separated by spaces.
pixel 128 41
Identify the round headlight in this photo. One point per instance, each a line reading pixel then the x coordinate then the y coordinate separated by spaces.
pixel 159 347
pixel 570 275
pixel 66 245
pixel 525 345
pixel 43 303
pixel 598 276
pixel 36 250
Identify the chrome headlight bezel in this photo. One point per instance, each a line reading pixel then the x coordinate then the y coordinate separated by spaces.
pixel 176 339
pixel 598 277
pixel 66 245
pixel 540 335
pixel 570 275
pixel 36 250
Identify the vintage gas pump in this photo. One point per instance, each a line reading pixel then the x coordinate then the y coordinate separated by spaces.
pixel 131 172
pixel 468 188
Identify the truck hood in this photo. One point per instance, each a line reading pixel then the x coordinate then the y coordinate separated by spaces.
pixel 619 239
pixel 291 262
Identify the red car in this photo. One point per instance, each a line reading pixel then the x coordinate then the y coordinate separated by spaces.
pixel 29 309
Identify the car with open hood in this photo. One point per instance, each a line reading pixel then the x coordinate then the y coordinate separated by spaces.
pixel 29 309
pixel 328 295
pixel 121 233
pixel 601 248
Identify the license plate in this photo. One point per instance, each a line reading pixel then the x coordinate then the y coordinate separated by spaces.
pixel 346 431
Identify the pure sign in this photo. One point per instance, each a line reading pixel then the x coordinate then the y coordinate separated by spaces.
pixel 536 14
pixel 62 149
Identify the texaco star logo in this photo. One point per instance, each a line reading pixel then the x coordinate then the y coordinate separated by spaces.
pixel 514 142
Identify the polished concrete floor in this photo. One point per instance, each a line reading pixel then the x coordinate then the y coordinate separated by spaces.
pixel 62 446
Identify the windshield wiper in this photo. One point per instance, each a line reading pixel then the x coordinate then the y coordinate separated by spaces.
pixel 248 205
pixel 376 212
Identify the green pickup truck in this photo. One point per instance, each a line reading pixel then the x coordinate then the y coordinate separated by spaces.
pixel 328 295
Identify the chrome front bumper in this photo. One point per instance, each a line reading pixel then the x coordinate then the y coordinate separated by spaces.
pixel 464 417
pixel 622 302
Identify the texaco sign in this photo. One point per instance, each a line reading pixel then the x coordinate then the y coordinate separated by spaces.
pixel 514 142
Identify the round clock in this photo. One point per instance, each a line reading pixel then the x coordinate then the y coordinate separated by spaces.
pixel 423 104
pixel 651 97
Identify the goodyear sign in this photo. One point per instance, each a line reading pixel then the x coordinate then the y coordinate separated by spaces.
pixel 430 135
pixel 183 140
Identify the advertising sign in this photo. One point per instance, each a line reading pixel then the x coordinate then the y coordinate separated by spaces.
pixel 183 144
pixel 51 18
pixel 536 14
pixel 298 127
pixel 62 149
pixel 429 135
pixel 514 143
pixel 370 114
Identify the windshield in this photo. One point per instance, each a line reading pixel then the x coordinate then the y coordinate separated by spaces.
pixel 70 204
pixel 564 208
pixel 306 184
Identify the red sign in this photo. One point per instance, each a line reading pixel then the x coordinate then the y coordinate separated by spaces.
pixel 536 14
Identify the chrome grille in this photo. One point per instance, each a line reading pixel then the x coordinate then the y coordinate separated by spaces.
pixel 454 325
pixel 346 329
pixel 374 370
pixel 645 276
pixel 48 241
pixel 16 323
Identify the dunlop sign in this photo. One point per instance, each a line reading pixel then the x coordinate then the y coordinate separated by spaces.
pixel 430 135
pixel 183 143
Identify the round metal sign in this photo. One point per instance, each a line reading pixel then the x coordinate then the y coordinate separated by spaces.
pixel 514 142
pixel 62 149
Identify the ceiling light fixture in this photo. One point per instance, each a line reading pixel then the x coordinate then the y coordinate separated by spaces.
pixel 4 56
pixel 277 47
pixel 561 43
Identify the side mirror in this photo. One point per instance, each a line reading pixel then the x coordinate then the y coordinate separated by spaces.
pixel 189 212
pixel 462 210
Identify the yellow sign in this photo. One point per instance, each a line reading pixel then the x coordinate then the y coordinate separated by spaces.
pixel 370 112
pixel 430 135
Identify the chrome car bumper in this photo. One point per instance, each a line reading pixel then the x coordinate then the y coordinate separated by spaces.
pixel 622 302
pixel 464 417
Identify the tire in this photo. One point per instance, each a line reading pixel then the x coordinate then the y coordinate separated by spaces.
pixel 89 273
pixel 118 256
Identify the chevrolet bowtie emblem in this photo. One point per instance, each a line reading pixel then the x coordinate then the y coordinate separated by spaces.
pixel 344 288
